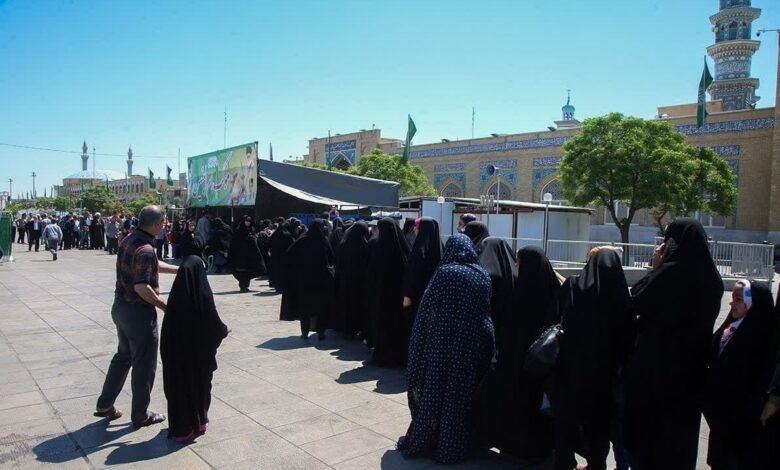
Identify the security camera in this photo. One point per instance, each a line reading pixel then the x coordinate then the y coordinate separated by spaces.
pixel 758 33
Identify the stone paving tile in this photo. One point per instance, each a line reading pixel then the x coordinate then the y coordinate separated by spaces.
pixel 314 429
pixel 346 446
pixel 278 401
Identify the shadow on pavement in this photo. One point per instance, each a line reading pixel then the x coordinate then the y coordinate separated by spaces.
pixel 286 344
pixel 268 293
pixel 95 437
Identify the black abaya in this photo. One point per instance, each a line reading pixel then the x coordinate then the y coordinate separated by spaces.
pixel 409 233
pixel 676 305
pixel 280 242
pixel 598 334
pixel 310 283
pixel 191 333
pixel 388 254
pixel 735 390
pixel 423 261
pixel 244 256
pixel 477 231
pixel 351 271
pixel 190 243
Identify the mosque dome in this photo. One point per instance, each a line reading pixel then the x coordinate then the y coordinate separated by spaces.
pixel 109 175
pixel 567 110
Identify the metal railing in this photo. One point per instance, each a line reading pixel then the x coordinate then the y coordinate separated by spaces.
pixel 733 259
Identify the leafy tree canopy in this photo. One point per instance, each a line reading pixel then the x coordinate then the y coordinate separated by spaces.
pixel 643 164
pixel 380 165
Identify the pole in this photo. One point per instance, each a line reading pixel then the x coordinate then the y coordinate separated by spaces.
pixel 33 177
pixel 10 189
pixel 93 161
pixel 178 161
pixel 546 220
pixel 498 192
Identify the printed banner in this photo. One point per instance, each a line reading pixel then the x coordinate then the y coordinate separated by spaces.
pixel 223 178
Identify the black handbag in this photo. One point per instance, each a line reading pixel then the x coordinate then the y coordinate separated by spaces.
pixel 543 353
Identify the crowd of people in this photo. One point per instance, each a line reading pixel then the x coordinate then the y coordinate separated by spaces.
pixel 635 368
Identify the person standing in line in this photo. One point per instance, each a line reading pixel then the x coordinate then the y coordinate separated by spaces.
pixel 33 233
pixel 244 256
pixel 159 239
pixel 136 296
pixel 204 225
pixel 676 306
pixel 52 235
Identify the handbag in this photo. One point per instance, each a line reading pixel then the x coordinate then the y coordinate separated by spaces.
pixel 543 353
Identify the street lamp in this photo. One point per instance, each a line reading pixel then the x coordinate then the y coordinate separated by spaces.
pixel 547 198
pixel 440 200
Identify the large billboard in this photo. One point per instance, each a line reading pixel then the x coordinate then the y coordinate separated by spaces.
pixel 223 178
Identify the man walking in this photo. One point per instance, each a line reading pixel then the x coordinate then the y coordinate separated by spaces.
pixel 52 235
pixel 33 233
pixel 111 234
pixel 135 298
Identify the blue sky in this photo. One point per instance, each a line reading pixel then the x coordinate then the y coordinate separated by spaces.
pixel 158 75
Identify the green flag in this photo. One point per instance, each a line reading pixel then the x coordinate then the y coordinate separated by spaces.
pixel 704 83
pixel 409 135
pixel 152 182
pixel 168 180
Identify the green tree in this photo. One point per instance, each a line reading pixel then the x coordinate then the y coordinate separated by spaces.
pixel 135 206
pixel 642 164
pixel 63 203
pixel 98 199
pixel 703 183
pixel 380 165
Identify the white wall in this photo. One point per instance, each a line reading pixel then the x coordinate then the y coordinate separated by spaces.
pixel 442 213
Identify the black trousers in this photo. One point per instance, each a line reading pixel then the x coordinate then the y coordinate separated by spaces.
pixel 112 245
pixel 35 237
pixel 21 235
pixel 138 337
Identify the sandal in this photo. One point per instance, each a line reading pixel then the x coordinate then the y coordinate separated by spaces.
pixel 152 418
pixel 184 439
pixel 111 413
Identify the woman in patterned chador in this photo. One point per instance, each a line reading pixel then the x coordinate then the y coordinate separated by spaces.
pixel 450 350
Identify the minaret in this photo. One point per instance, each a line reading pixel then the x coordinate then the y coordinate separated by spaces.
pixel 567 114
pixel 130 161
pixel 84 156
pixel 732 53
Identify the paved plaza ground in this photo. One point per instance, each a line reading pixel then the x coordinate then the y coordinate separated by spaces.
pixel 278 402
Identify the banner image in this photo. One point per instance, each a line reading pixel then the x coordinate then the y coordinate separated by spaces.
pixel 223 178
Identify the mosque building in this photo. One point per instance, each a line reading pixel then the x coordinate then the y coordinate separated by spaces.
pixel 742 134
pixel 125 186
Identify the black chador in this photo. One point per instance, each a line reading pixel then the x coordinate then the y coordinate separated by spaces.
pixel 191 334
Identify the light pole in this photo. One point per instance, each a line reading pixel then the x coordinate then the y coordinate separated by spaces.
pixel 33 177
pixel 441 200
pixel 547 198
pixel 10 189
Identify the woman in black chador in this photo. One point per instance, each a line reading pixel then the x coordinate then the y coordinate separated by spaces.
pixel 190 243
pixel 735 390
pixel 676 305
pixel 388 254
pixel 245 257
pixel 337 234
pixel 280 241
pixel 310 287
pixel 409 233
pixel 477 231
pixel 598 333
pixel 191 334
pixel 423 261
pixel 351 271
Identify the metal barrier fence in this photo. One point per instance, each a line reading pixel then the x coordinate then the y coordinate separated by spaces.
pixel 733 259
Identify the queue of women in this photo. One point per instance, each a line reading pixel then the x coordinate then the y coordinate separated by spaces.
pixel 636 368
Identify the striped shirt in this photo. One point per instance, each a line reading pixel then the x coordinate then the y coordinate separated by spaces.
pixel 136 263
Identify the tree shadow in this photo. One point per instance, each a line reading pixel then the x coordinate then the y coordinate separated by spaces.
pixel 95 437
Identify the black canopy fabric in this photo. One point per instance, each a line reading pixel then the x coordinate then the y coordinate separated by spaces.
pixel 676 304
pixel 285 188
pixel 191 333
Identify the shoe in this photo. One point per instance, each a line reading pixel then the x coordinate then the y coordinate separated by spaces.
pixel 320 335
pixel 111 413
pixel 151 418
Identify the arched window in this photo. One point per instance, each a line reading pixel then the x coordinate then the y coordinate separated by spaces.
pixel 342 163
pixel 554 188
pixel 505 193
pixel 452 190
pixel 733 30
